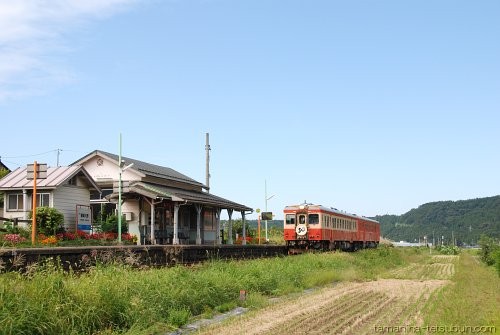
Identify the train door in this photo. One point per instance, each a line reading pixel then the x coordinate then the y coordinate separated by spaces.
pixel 301 228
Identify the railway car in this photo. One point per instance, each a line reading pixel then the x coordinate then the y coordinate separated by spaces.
pixel 309 226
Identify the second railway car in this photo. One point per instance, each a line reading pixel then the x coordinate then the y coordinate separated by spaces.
pixel 309 226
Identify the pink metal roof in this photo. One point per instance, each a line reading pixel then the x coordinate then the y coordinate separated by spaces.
pixel 55 177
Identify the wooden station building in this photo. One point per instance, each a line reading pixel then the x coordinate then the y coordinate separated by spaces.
pixel 159 204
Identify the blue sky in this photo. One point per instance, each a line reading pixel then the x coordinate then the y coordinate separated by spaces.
pixel 373 107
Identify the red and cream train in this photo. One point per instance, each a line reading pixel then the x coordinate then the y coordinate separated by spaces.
pixel 309 226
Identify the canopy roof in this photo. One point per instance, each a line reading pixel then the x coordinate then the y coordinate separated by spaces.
pixel 180 195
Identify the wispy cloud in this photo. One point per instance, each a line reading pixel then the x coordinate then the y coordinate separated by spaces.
pixel 32 37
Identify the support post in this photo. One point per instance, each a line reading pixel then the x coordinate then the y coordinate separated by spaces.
pixel 244 241
pixel 198 223
pixel 175 240
pixel 230 227
pixel 217 235
pixel 153 239
pixel 25 202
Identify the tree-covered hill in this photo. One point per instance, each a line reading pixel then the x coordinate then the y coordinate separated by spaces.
pixel 463 220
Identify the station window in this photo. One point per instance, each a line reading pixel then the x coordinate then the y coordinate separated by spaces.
pixel 15 202
pixel 42 200
pixel 290 219
pixel 313 218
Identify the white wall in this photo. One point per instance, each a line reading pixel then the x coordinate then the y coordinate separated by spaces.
pixel 108 170
pixel 132 206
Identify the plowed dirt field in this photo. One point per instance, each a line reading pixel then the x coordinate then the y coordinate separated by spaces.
pixel 350 307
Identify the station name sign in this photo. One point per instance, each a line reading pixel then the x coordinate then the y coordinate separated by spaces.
pixel 41 171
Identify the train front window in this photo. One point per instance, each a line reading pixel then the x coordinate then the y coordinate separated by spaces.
pixel 290 219
pixel 302 219
pixel 313 218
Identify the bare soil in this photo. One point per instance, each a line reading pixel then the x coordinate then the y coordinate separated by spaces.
pixel 348 308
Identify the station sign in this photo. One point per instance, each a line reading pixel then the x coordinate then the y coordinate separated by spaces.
pixel 84 218
pixel 41 171
pixel 267 215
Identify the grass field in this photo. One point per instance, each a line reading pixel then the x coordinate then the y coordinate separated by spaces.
pixel 417 289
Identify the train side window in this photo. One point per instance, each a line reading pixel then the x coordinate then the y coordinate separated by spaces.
pixel 290 219
pixel 313 218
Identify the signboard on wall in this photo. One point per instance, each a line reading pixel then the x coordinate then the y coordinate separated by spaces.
pixel 84 218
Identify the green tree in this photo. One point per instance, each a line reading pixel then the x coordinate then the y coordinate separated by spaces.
pixel 238 228
pixel 3 173
pixel 489 249
pixel 49 221
pixel 110 225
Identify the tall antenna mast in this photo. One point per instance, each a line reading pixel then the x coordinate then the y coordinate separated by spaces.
pixel 207 149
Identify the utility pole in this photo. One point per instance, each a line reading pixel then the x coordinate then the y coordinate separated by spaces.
pixel 207 162
pixel 120 192
pixel 58 152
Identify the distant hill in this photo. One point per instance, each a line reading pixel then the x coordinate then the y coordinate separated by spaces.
pixel 464 220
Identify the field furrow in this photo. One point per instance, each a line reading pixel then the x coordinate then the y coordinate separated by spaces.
pixel 346 308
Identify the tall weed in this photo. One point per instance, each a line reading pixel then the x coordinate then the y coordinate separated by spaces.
pixel 115 299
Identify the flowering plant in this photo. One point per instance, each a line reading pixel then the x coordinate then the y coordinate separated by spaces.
pixel 13 238
pixel 49 240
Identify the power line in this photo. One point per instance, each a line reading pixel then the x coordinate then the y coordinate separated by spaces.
pixel 32 155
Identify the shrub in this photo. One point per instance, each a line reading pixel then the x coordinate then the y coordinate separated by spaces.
pixel 111 225
pixel 497 259
pixel 489 248
pixel 448 250
pixel 48 220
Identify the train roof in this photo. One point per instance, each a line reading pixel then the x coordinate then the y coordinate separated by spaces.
pixel 330 210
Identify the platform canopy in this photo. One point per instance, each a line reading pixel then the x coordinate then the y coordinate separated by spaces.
pixel 179 195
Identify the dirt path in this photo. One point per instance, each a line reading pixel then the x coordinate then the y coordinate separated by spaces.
pixel 348 308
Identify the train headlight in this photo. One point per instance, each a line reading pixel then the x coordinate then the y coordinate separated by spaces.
pixel 301 229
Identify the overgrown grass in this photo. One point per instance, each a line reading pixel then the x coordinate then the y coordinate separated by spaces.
pixel 115 299
pixel 473 298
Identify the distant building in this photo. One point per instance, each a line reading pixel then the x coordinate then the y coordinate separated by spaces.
pixel 410 244
pixel 65 188
pixel 160 205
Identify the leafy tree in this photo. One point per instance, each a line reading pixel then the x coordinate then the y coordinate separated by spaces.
pixel 49 221
pixel 238 228
pixel 3 173
pixel 489 249
pixel 110 225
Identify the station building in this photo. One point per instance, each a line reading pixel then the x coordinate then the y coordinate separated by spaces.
pixel 159 204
